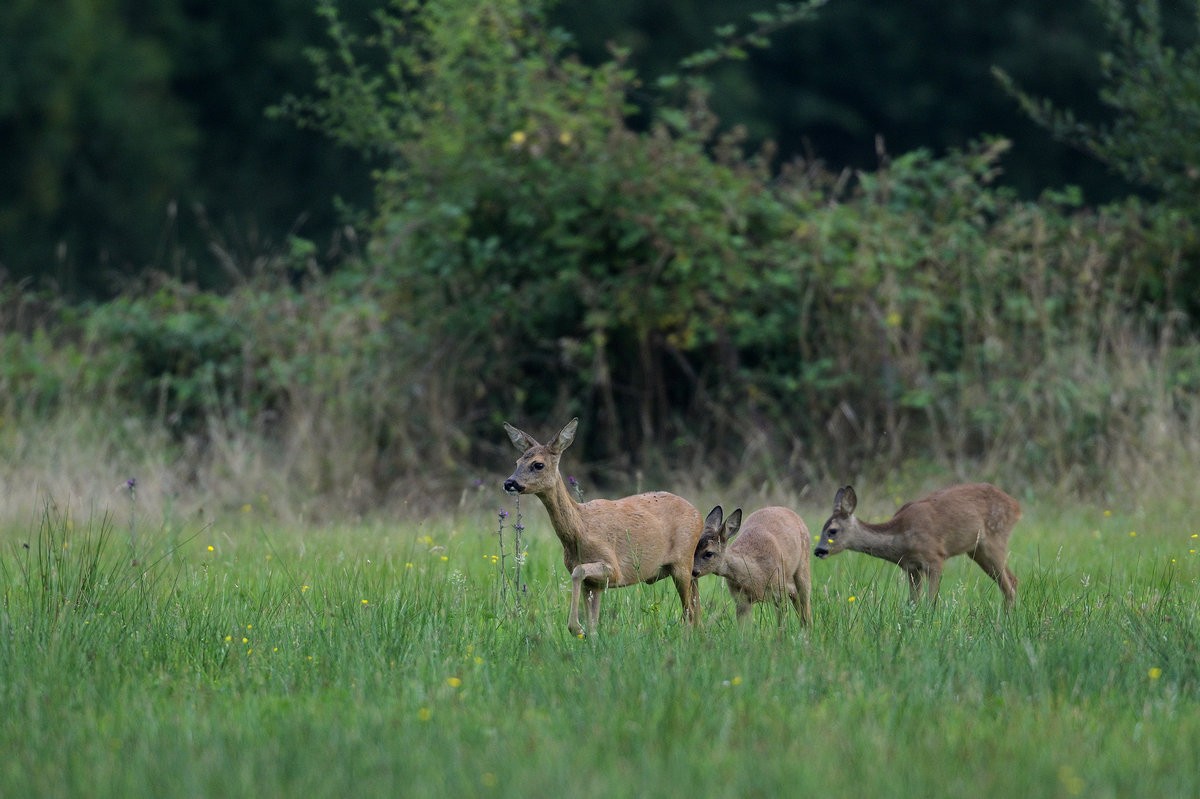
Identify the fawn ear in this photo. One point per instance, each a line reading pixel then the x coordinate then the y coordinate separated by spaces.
pixel 733 524
pixel 520 439
pixel 565 436
pixel 713 521
pixel 845 501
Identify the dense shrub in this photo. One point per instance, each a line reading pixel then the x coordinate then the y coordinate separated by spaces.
pixel 654 277
pixel 536 252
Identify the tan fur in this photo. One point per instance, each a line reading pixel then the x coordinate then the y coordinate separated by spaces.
pixel 767 561
pixel 609 543
pixel 974 519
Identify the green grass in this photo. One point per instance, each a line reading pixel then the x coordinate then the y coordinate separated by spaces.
pixel 380 661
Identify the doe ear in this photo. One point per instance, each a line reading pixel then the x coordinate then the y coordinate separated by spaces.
pixel 733 524
pixel 565 436
pixel 845 501
pixel 520 439
pixel 713 520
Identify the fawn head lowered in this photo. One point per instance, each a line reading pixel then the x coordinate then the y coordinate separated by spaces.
pixel 537 468
pixel 716 536
pixel 844 503
pixel 972 519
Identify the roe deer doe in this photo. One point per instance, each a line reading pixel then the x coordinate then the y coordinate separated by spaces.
pixel 768 561
pixel 609 543
pixel 974 519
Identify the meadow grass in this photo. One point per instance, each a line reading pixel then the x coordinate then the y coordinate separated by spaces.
pixel 251 659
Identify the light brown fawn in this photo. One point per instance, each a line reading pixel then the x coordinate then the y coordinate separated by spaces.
pixel 975 519
pixel 768 561
pixel 609 543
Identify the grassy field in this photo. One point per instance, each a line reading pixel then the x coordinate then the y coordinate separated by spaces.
pixel 246 659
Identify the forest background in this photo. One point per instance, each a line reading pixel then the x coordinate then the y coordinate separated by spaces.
pixel 312 257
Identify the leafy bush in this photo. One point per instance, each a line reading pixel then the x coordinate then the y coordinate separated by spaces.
pixel 538 251
pixel 566 257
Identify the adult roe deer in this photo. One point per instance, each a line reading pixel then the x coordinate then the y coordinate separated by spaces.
pixel 609 543
pixel 768 561
pixel 975 519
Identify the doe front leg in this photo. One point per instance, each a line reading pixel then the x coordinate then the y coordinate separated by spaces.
pixel 598 572
pixel 689 596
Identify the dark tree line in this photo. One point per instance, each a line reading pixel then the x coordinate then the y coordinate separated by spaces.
pixel 133 135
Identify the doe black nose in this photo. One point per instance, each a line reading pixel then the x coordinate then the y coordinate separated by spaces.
pixel 820 552
pixel 511 486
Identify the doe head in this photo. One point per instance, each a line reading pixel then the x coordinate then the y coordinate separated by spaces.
pixel 710 549
pixel 830 542
pixel 537 468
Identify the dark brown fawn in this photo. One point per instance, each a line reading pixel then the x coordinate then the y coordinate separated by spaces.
pixel 609 543
pixel 768 561
pixel 974 519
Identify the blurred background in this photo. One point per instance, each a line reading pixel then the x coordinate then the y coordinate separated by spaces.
pixel 133 135
pixel 316 254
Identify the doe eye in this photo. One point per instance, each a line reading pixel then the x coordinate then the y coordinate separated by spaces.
pixel 831 532
pixel 538 466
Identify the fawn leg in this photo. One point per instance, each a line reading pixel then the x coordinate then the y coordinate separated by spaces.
pixel 914 585
pixel 933 581
pixel 802 599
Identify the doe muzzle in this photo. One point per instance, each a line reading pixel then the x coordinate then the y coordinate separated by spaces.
pixel 820 552
pixel 512 486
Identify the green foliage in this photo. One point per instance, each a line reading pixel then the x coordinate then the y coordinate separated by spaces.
pixel 132 134
pixel 734 44
pixel 536 252
pixel 661 282
pixel 1153 90
pixel 93 146
pixel 525 221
